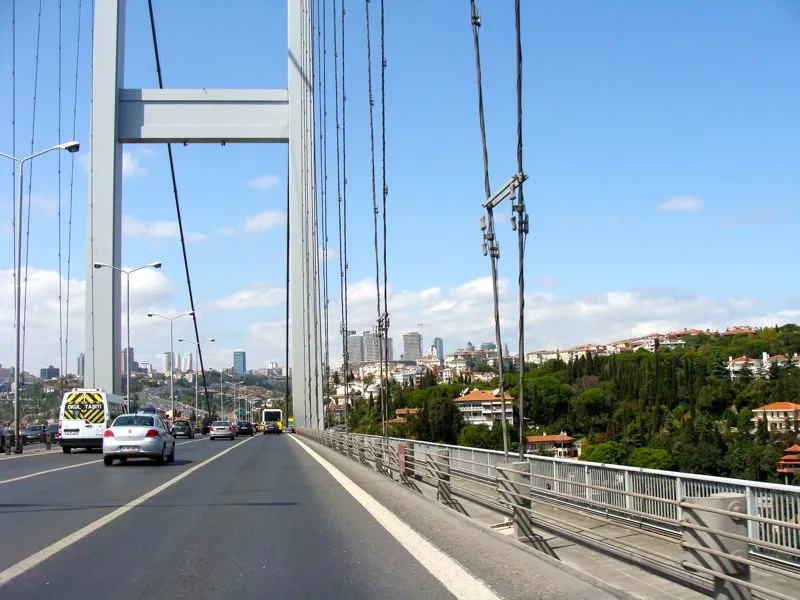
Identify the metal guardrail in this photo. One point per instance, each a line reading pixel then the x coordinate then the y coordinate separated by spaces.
pixel 768 514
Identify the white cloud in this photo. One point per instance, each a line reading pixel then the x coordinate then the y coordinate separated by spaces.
pixel 134 228
pixel 226 230
pixel 131 165
pixel 260 296
pixel 264 182
pixel 264 220
pixel 681 204
pixel 549 280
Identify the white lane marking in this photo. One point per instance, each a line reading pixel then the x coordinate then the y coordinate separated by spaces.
pixel 91 462
pixel 452 575
pixel 39 557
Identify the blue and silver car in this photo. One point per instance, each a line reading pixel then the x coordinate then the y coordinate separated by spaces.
pixel 138 436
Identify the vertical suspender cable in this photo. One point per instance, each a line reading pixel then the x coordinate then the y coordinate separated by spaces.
pixel 288 232
pixel 30 188
pixel 63 371
pixel 522 231
pixel 493 251
pixel 385 192
pixel 72 182
pixel 344 206
pixel 374 204
pixel 324 145
pixel 14 134
pixel 342 329
pixel 91 203
pixel 178 210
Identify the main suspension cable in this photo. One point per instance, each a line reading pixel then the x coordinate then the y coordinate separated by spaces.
pixel 324 144
pixel 178 211
pixel 63 371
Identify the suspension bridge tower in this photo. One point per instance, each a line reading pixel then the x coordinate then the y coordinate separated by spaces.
pixel 122 115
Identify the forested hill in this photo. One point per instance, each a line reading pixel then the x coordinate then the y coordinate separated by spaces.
pixel 670 409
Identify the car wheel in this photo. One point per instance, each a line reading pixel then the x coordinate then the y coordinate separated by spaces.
pixel 160 459
pixel 108 460
pixel 171 456
pixel 66 450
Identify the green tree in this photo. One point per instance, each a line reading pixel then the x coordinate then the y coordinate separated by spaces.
pixel 650 458
pixel 606 453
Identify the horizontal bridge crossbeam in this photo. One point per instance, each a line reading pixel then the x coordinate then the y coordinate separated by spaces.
pixel 203 116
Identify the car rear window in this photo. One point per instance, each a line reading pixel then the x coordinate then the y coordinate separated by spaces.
pixel 220 423
pixel 133 421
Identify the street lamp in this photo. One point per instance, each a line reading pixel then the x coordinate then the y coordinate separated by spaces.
pixel 70 147
pixel 171 354
pixel 196 363
pixel 127 273
pixel 236 406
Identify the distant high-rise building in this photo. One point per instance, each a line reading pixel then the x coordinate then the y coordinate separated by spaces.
pixel 81 365
pixel 488 346
pixel 239 362
pixel 50 372
pixel 470 347
pixel 167 360
pixel 146 367
pixel 186 365
pixel 127 356
pixel 439 345
pixel 373 348
pixel 412 346
pixel 355 350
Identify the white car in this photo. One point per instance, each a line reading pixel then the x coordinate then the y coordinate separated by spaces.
pixel 138 436
pixel 222 429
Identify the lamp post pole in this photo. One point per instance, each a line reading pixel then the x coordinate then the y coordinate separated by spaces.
pixel 70 147
pixel 171 354
pixel 127 273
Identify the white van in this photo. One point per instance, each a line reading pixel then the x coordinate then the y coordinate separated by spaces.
pixel 85 415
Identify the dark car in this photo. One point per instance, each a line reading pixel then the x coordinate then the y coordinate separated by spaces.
pixel 206 428
pixel 272 427
pixel 34 433
pixel 244 428
pixel 182 429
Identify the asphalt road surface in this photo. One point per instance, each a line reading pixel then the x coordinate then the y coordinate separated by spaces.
pixel 232 518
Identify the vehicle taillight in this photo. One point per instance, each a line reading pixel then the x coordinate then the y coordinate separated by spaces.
pixel 59 426
pixel 230 428
pixel 108 433
pixel 152 433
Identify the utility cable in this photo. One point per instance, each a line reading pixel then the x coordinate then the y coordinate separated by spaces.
pixel 30 188
pixel 493 249
pixel 72 181
pixel 178 211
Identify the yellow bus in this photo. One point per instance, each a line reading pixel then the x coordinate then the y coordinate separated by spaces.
pixel 272 420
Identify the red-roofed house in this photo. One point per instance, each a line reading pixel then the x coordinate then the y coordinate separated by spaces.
pixel 780 416
pixel 560 445
pixel 789 464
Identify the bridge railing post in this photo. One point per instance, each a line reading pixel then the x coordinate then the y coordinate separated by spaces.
pixel 439 465
pixel 707 526
pixel 514 490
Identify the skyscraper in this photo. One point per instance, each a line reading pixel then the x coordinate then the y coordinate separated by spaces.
pixel 412 346
pixel 355 350
pixel 239 362
pixel 166 362
pixel 81 365
pixel 439 345
pixel 127 358
pixel 373 348
pixel 186 365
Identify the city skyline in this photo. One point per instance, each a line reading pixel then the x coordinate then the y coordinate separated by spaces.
pixel 642 129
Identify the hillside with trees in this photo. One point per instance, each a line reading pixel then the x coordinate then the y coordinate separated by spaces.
pixel 667 409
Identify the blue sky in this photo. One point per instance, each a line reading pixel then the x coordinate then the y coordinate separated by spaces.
pixel 660 144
